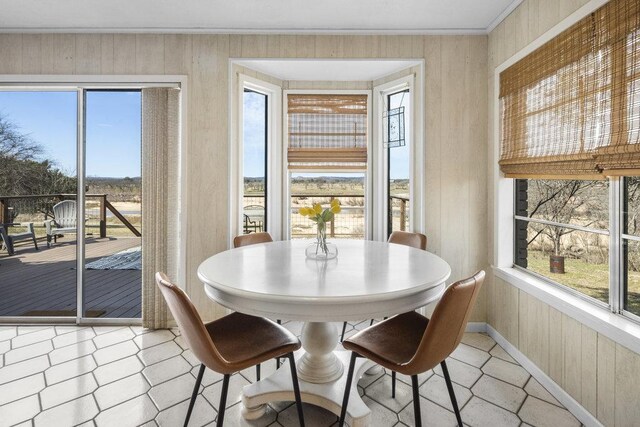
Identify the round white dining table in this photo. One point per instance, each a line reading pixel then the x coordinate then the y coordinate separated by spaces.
pixel 367 280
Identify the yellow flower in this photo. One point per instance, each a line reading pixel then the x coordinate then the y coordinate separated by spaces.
pixel 335 208
pixel 317 208
pixel 304 211
pixel 335 202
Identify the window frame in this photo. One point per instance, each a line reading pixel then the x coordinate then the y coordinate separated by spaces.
pixel 612 295
pixel 615 232
pixel 380 155
pixel 623 328
pixel 286 173
pixel 273 188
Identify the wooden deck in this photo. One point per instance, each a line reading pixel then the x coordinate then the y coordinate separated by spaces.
pixel 41 280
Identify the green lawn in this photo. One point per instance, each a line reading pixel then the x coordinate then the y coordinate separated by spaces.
pixel 590 279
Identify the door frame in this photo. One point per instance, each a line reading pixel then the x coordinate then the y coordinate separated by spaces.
pixel 79 84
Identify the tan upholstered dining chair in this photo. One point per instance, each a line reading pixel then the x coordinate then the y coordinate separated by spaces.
pixel 229 344
pixel 254 239
pixel 411 344
pixel 251 239
pixel 415 240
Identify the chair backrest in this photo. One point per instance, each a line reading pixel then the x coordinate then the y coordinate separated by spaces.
pixel 64 213
pixel 448 323
pixel 251 239
pixel 191 327
pixel 415 240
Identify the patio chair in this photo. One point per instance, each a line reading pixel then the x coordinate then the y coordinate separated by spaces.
pixel 253 219
pixel 229 344
pixel 8 240
pixel 411 344
pixel 63 222
pixel 250 226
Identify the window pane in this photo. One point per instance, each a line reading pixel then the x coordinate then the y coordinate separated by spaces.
pixel 632 247
pixel 576 202
pixel 310 188
pixel 632 276
pixel 399 168
pixel 632 206
pixel 576 259
pixel 254 161
pixel 113 206
pixel 38 184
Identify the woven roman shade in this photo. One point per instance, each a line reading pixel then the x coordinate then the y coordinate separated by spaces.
pixel 571 108
pixel 327 131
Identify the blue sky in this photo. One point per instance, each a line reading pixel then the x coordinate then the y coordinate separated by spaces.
pixel 254 134
pixel 113 128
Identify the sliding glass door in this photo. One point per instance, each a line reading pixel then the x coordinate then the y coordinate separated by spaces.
pixel 67 253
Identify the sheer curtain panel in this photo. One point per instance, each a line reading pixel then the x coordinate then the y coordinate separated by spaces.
pixel 160 136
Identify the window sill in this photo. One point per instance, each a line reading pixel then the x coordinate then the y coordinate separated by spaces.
pixel 613 326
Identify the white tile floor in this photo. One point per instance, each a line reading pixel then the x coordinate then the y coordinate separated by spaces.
pixel 128 376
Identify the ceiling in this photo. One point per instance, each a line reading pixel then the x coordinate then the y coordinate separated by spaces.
pixel 256 16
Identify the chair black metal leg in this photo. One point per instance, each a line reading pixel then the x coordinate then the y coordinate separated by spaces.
pixel 347 390
pixel 277 358
pixel 393 384
pixel 296 388
pixel 223 400
pixel 258 372
pixel 344 329
pixel 416 400
pixel 452 394
pixel 194 395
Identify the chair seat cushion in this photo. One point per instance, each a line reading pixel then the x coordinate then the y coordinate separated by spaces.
pixel 244 341
pixel 391 343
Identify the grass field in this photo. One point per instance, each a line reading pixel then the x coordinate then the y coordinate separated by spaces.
pixel 590 279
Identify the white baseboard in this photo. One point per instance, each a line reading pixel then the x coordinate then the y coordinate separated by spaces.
pixel 476 327
pixel 584 416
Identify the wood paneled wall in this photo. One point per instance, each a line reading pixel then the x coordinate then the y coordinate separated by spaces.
pixel 599 373
pixel 455 120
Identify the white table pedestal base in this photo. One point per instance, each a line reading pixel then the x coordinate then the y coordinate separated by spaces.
pixel 319 363
pixel 278 387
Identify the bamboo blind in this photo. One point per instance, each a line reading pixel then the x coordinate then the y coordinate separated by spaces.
pixel 327 131
pixel 572 107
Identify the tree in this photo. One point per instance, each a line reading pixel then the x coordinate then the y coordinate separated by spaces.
pixel 632 219
pixel 563 201
pixel 22 172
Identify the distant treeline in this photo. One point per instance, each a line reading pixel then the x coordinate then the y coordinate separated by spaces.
pixel 119 189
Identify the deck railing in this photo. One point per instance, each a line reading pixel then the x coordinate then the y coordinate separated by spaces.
pixel 349 223
pixel 16 208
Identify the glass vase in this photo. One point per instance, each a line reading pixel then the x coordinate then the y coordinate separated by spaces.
pixel 321 249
